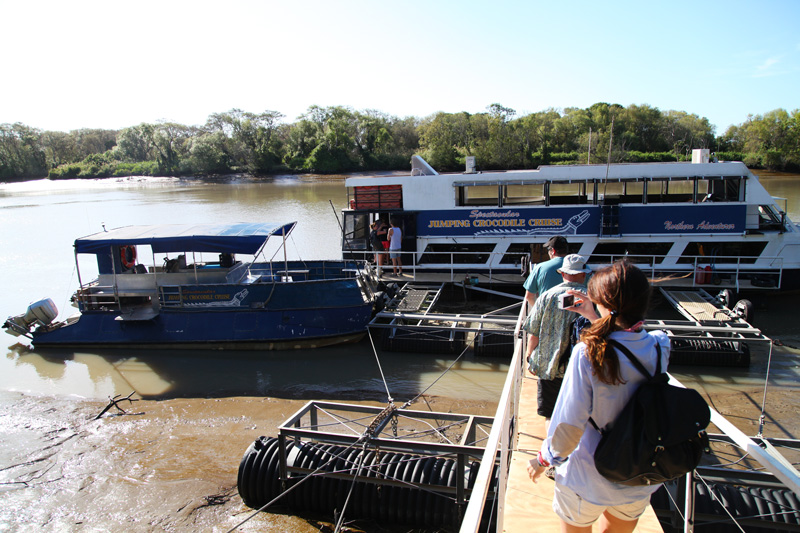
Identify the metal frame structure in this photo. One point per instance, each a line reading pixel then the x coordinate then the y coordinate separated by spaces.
pixel 306 425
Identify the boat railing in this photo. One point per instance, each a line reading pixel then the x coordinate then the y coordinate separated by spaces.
pixel 297 270
pixel 95 296
pixel 502 440
pixel 702 271
pixel 685 270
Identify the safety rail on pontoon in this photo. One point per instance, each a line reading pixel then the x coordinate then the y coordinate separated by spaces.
pixel 503 437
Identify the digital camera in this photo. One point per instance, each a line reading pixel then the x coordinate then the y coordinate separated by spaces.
pixel 565 300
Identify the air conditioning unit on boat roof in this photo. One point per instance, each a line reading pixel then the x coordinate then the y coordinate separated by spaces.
pixel 700 155
pixel 470 165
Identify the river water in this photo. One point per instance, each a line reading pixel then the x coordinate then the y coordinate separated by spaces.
pixel 51 394
pixel 42 218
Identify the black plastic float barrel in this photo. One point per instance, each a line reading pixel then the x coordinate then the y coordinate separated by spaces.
pixel 415 503
pixel 708 352
pixel 756 509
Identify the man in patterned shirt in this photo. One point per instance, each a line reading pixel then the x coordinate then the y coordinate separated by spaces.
pixel 548 326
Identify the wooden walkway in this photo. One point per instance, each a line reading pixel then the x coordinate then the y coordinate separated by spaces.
pixel 528 506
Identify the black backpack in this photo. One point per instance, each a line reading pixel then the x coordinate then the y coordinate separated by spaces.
pixel 658 436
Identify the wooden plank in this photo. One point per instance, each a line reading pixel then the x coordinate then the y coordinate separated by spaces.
pixel 528 505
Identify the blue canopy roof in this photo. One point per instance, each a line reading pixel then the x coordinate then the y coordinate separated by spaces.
pixel 243 237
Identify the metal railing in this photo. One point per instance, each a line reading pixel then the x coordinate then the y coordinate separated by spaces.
pixel 502 441
pixel 684 270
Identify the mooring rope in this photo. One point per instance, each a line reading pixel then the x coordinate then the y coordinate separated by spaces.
pixel 762 418
pixel 290 489
pixel 378 360
pixel 352 486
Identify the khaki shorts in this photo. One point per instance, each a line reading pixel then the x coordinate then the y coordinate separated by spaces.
pixel 576 511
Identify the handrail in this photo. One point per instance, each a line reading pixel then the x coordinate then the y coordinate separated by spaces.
pixel 503 438
pixel 659 267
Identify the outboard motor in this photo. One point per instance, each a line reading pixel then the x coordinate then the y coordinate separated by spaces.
pixel 39 313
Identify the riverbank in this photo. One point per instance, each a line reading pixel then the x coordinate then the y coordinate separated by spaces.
pixel 162 465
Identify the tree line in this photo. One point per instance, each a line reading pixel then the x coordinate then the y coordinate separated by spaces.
pixel 338 139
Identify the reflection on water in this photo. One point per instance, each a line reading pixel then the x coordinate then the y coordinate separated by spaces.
pixel 346 371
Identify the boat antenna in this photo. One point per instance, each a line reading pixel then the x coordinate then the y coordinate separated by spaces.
pixel 285 258
pixel 589 152
pixel 608 161
pixel 341 229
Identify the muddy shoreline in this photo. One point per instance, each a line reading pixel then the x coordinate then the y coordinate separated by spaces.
pixel 172 464
pixel 162 465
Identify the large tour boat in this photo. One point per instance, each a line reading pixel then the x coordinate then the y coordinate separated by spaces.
pixel 698 223
pixel 184 301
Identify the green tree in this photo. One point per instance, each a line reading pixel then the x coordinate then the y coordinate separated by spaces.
pixel 59 148
pixel 683 132
pixel 503 142
pixel 21 152
pixel 251 140
pixel 438 143
pixel 207 154
pixel 92 141
pixel 134 144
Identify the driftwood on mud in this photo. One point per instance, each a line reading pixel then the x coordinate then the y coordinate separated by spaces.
pixel 114 402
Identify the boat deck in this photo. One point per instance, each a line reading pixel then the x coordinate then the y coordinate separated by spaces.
pixel 528 506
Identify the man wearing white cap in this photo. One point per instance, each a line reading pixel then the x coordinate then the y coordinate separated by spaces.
pixel 549 328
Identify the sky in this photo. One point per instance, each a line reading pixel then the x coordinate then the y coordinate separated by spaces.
pixel 110 64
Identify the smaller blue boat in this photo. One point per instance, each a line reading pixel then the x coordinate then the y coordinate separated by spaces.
pixel 183 301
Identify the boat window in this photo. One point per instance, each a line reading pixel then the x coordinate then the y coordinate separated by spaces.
pixel 356 231
pixel 456 253
pixel 725 189
pixel 719 189
pixel 633 192
pixel 529 194
pixel 647 253
pixel 722 252
pixel 704 190
pixel 663 190
pixel 478 195
pixel 657 191
pixel 567 193
pixel 610 190
pixel 680 190
pixel 769 218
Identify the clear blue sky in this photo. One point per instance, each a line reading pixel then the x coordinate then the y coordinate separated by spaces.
pixel 110 64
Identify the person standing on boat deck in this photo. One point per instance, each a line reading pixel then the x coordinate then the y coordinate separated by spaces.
pixel 598 383
pixel 376 243
pixel 545 275
pixel 548 327
pixel 395 244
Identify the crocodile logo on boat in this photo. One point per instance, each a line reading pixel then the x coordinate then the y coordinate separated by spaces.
pixel 570 228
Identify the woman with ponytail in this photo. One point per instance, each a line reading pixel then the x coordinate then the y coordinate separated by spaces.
pixel 598 384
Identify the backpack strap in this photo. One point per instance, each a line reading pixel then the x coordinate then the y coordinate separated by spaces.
pixel 639 366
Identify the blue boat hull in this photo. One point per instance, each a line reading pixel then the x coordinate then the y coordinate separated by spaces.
pixel 223 328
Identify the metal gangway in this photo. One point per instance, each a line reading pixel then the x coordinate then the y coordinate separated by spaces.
pixel 409 321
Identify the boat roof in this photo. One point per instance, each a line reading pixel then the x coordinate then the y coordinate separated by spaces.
pixel 612 172
pixel 242 237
